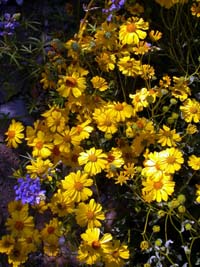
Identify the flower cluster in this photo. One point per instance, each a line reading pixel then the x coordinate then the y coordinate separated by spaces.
pixel 8 24
pixel 115 149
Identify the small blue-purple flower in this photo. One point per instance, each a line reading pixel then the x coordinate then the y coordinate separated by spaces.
pixel 8 24
pixel 115 6
pixel 29 191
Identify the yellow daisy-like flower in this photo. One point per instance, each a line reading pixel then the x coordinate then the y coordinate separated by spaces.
pixel 89 214
pixel 106 61
pixel 20 224
pixel 93 159
pixel 61 203
pixel 118 253
pixel 82 130
pixel 121 111
pixel 152 166
pixel 14 134
pixel 73 84
pixel 18 254
pixel 191 110
pixel 155 35
pixel 39 168
pixel 99 83
pixel 167 137
pixel 169 3
pixel 105 120
pixel 198 193
pixel 6 244
pixel 51 231
pixel 158 190
pixel 129 66
pixel 75 185
pixel 180 89
pixel 194 162
pixel 121 178
pixel 191 129
pixel 93 247
pixel 41 145
pixel 195 9
pixel 171 160
pixel 133 31
pixel 115 159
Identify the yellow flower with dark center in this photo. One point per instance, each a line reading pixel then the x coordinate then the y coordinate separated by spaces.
pixel 74 84
pixel 171 160
pixel 89 214
pixel 41 145
pixel 75 185
pixel 93 159
pixel 14 134
pixel 105 120
pixel 167 137
pixel 51 232
pixel 18 255
pixel 195 9
pixel 129 66
pixel 82 131
pixel 120 111
pixel 117 255
pixel 198 193
pixel 169 3
pixel 191 110
pixel 159 189
pixel 133 31
pixel 61 203
pixel 194 162
pixel 93 247
pixel 6 244
pixel 99 83
pixel 115 159
pixel 20 224
pixel 106 61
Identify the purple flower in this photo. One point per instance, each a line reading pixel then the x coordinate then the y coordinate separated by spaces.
pixel 115 6
pixel 8 24
pixel 28 190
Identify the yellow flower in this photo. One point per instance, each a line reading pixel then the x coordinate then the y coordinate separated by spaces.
pixel 198 193
pixel 94 160
pixel 39 168
pixel 155 35
pixel 129 66
pixel 195 9
pixel 191 129
pixel 152 166
pixel 17 205
pixel 105 120
pixel 141 48
pixel 51 232
pixel 82 131
pixel 75 185
pixel 18 254
pixel 106 61
pixel 99 83
pixel 129 170
pixel 120 111
pixel 117 254
pixel 191 110
pixel 171 160
pixel 114 159
pixel 122 178
pixel 14 134
pixel 61 204
pixel 20 224
pixel 148 71
pixel 55 119
pixel 169 3
pixel 6 244
pixel 167 137
pixel 89 214
pixel 180 89
pixel 93 247
pixel 158 190
pixel 41 145
pixel 133 31
pixel 74 84
pixel 139 99
pixel 194 162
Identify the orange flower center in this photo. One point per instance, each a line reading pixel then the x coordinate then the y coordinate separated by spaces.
pixel 108 122
pixel 50 230
pixel 70 81
pixel 131 27
pixel 90 214
pixel 11 134
pixel 19 225
pixel 96 244
pixel 171 159
pixel 56 151
pixel 110 158
pixel 115 254
pixel 158 185
pixel 119 107
pixel 78 186
pixel 92 158
pixel 67 138
pixel 193 110
pixel 39 145
pixel 79 129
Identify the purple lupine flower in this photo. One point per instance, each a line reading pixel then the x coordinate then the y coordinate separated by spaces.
pixel 115 6
pixel 3 2
pixel 8 24
pixel 28 190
